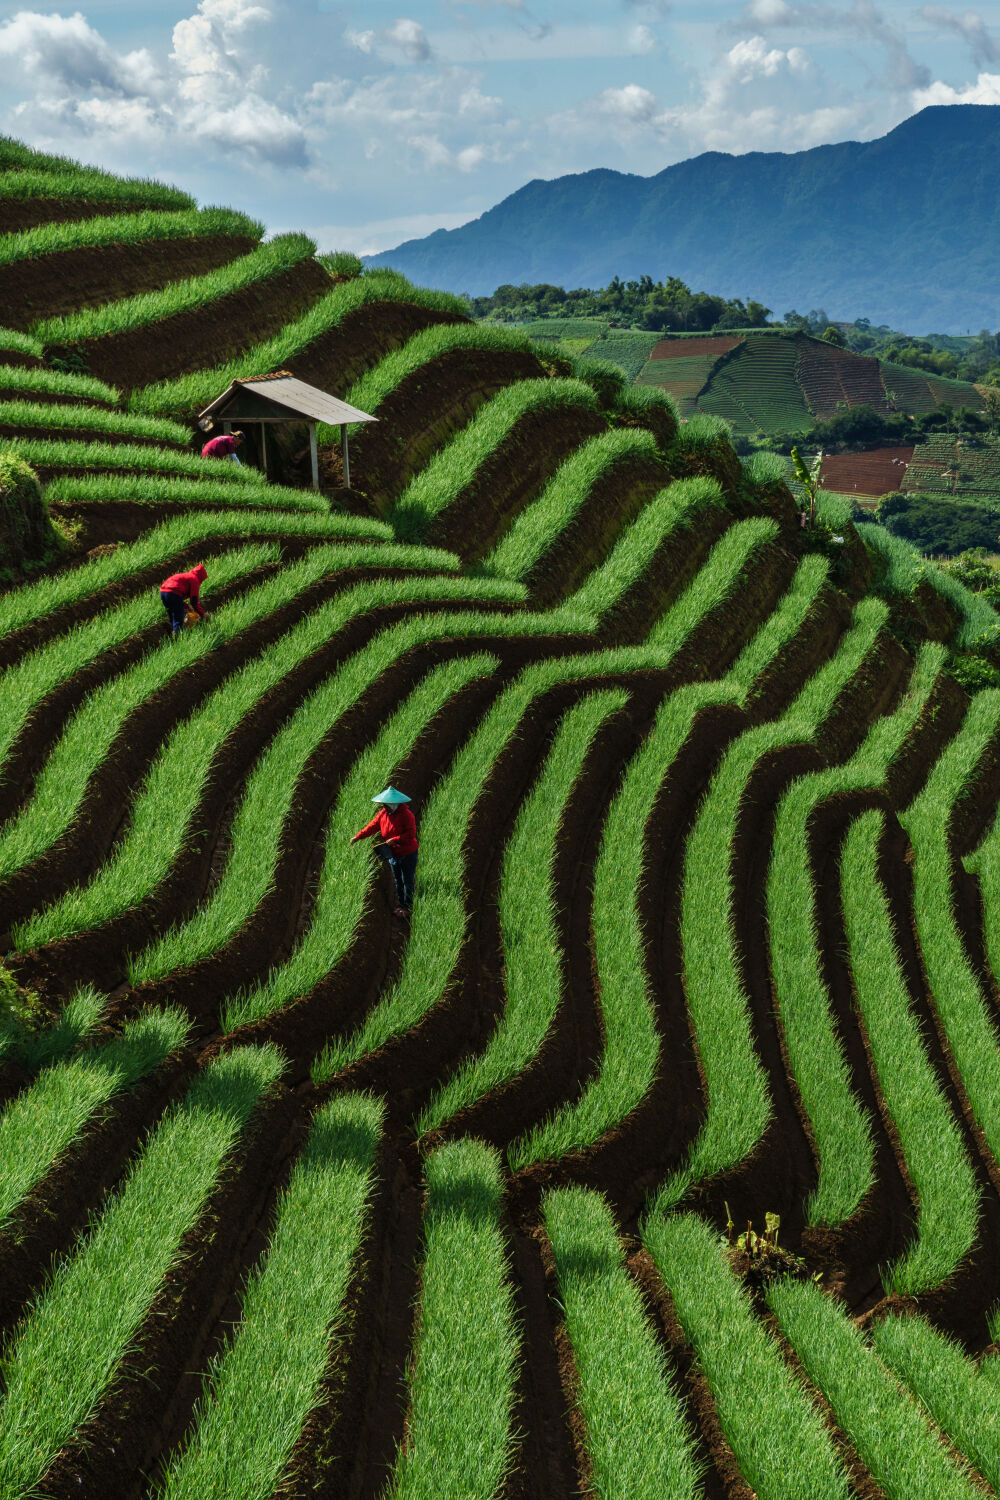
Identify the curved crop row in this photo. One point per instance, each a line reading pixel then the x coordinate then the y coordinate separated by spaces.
pixel 775 1432
pixel 936 1160
pixel 378 383
pixel 440 482
pixel 533 977
pixel 963 1399
pixel 66 1354
pixel 891 1435
pixel 165 804
pixel 234 478
pixel 739 1105
pixel 631 1040
pixel 637 1439
pixel 962 1008
pixel 264 1385
pixel 43 1121
pixel 840 1129
pixel 462 1379
pixel 27 381
pixel 23 687
pixel 191 392
pixel 440 918
pixel 257 827
pixel 537 530
pixel 139 311
pixel 35 601
pixel 93 186
pixel 125 229
pixel 92 419
pixel 157 489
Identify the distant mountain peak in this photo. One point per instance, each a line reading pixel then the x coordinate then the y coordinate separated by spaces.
pixel 901 229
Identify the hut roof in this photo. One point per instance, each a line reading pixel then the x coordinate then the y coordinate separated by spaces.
pixel 278 398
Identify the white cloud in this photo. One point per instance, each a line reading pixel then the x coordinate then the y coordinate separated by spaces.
pixel 65 52
pixel 752 59
pixel 971 26
pixel 985 90
pixel 640 40
pixel 632 103
pixel 861 19
pixel 405 39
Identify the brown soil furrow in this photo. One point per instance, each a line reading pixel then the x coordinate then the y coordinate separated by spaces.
pixel 570 1053
pixel 24 213
pixel 33 745
pixel 342 354
pixel 61 1205
pixel 49 286
pixel 275 925
pixel 723 1479
pixel 206 336
pixel 960 1306
pixel 425 409
pixel 84 434
pixel 511 476
pixel 147 1405
pixel 611 504
pixel 98 954
pixel 16 643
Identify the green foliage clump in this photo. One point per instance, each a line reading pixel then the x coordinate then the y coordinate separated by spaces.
pixel 268 260
pixel 124 229
pixel 26 532
pixel 940 526
pixel 341 263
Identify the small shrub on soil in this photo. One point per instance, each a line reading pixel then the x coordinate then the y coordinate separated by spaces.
pixel 26 532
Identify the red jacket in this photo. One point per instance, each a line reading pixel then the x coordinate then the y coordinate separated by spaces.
pixel 187 585
pixel 397 826
pixel 219 447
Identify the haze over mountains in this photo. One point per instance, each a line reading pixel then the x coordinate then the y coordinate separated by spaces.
pixel 903 230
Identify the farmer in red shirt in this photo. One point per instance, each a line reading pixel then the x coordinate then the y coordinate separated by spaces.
pixel 398 829
pixel 178 589
pixel 224 446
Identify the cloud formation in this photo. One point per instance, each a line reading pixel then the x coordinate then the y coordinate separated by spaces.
pixel 970 26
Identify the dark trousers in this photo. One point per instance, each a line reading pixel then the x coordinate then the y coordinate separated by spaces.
pixel 404 869
pixel 174 604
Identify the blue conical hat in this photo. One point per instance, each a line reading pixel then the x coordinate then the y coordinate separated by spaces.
pixel 391 797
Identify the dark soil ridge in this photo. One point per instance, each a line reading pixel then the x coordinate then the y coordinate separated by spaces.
pixel 425 410
pixel 104 812
pixel 86 434
pixel 109 522
pixel 20 357
pixel 51 398
pixel 610 505
pixel 25 213
pixel 119 1446
pixel 341 355
pixel 206 336
pixel 64 281
pixel 959 1307
pixel 16 643
pixel 511 476
pixel 60 1206
pixel 46 722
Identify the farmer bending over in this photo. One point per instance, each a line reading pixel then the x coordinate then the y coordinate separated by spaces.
pixel 224 446
pixel 398 829
pixel 179 591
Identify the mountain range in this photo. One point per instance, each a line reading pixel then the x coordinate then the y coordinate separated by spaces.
pixel 903 230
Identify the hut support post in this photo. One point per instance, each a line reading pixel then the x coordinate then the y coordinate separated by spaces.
pixel 314 454
pixel 263 447
pixel 347 455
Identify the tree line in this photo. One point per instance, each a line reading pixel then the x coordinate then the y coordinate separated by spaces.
pixel 658 306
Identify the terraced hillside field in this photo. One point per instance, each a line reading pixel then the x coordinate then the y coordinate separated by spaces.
pixel 772 382
pixel 946 465
pixel 878 471
pixel 303 1197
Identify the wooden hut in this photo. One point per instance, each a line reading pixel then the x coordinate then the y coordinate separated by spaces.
pixel 281 398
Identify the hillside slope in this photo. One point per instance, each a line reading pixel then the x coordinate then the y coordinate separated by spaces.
pixel 901 229
pixel 305 1193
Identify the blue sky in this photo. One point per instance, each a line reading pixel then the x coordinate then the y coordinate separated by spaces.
pixel 365 124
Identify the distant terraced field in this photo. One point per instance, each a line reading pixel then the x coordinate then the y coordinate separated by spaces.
pixel 302 1197
pixel 771 382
